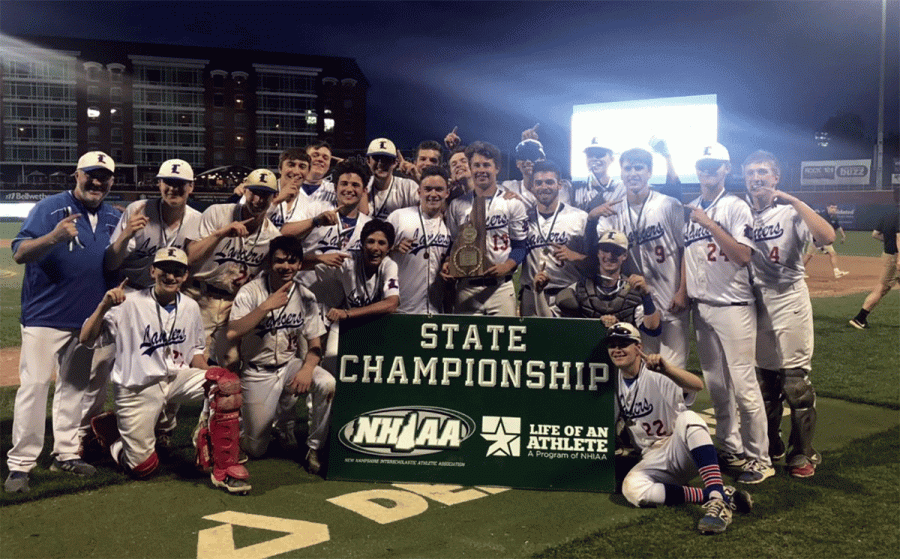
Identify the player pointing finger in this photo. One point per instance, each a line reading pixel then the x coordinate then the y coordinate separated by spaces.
pixel 279 298
pixel 66 229
pixel 115 296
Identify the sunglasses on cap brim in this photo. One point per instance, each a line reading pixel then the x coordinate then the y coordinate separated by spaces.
pixel 709 165
pixel 173 268
pixel 101 175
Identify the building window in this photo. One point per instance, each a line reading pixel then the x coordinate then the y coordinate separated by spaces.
pixel 240 120
pixel 93 73
pixel 115 135
pixel 239 140
pixel 93 92
pixel 116 154
pixel 328 124
pixel 93 134
pixel 218 118
pixel 219 100
pixel 115 93
pixel 240 156
pixel 218 80
pixel 239 102
pixel 218 138
pixel 93 113
pixel 218 158
pixel 115 114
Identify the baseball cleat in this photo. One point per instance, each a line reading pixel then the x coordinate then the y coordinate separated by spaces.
pixel 730 460
pixel 17 482
pixel 861 325
pixel 77 466
pixel 717 517
pixel 738 499
pixel 808 469
pixel 755 472
pixel 776 449
pixel 231 485
pixel 313 464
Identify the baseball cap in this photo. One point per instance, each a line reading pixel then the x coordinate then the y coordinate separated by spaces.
pixel 176 169
pixel 613 238
pixel 381 146
pixel 170 254
pixel 530 150
pixel 596 149
pixel 716 152
pixel 622 331
pixel 96 160
pixel 261 179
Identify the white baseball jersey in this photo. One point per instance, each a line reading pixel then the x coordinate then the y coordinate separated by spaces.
pixel 655 231
pixel 357 290
pixel 283 212
pixel 324 193
pixel 420 281
pixel 235 258
pixel 400 193
pixel 274 341
pixel 564 227
pixel 585 193
pixel 505 220
pixel 780 235
pixel 142 247
pixel 650 405
pixel 151 341
pixel 711 277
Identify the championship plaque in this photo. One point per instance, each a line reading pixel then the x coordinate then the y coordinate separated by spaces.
pixel 468 257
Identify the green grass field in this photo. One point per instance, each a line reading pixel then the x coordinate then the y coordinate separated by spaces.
pixel 849 508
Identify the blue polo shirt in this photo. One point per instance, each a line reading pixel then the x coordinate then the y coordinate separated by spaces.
pixel 64 287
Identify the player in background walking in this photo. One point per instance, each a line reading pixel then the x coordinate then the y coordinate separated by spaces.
pixel 421 245
pixel 652 396
pixel 654 224
pixel 271 318
pixel 555 239
pixel 828 248
pixel 782 226
pixel 718 247
pixel 159 360
pixel 886 232
pixel 62 243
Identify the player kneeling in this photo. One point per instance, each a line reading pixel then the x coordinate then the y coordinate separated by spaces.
pixel 674 441
pixel 272 316
pixel 159 360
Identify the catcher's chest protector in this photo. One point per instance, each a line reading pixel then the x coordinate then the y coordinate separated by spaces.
pixel 595 303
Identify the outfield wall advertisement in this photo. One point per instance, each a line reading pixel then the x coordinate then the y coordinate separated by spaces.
pixel 469 400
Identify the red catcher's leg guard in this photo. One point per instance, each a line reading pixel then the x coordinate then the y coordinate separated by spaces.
pixel 146 468
pixel 224 425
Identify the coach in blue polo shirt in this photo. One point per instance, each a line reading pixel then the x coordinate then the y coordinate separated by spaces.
pixel 61 243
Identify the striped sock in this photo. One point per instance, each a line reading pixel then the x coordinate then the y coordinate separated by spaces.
pixel 708 466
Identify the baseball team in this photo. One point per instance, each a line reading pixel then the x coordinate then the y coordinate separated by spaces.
pixel 238 307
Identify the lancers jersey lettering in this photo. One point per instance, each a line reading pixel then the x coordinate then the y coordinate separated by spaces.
pixel 357 290
pixel 235 258
pixel 420 281
pixel 563 227
pixel 655 231
pixel 780 235
pixel 711 277
pixel 505 222
pixel 275 339
pixel 650 406
pixel 152 342
pixel 401 193
pixel 142 247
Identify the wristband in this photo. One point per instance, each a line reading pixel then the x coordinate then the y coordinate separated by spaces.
pixel 649 307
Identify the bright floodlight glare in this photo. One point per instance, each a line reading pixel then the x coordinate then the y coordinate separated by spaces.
pixel 685 123
pixel 822 139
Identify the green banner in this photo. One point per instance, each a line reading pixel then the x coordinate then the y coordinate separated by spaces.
pixel 474 400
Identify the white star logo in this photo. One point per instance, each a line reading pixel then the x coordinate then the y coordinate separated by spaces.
pixel 504 433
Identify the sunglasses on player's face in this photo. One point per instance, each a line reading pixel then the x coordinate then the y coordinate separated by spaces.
pixel 175 183
pixel 102 175
pixel 709 166
pixel 619 343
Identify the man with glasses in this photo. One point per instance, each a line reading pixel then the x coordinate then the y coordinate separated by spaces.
pixel 387 192
pixel 62 244
pixel 718 247
pixel 652 399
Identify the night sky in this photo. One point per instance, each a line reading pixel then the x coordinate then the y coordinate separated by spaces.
pixel 780 69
